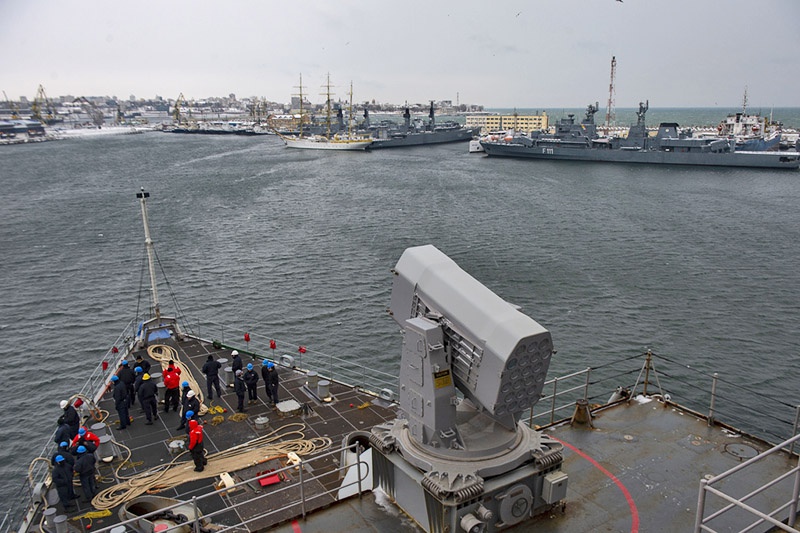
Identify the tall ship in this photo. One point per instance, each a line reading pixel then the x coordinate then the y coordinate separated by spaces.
pixel 473 436
pixel 415 132
pixel 670 145
pixel 330 140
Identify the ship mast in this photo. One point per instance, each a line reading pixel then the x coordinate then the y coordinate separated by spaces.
pixel 350 114
pixel 301 105
pixel 328 105
pixel 610 108
pixel 148 244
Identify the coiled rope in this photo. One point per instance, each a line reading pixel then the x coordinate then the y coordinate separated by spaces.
pixel 164 354
pixel 276 444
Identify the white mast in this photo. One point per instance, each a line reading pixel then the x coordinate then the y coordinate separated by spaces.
pixel 148 243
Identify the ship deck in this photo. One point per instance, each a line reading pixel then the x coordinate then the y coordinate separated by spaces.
pixel 637 467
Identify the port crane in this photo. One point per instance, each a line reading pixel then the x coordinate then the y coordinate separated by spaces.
pixel 43 104
pixel 11 107
pixel 176 113
pixel 88 107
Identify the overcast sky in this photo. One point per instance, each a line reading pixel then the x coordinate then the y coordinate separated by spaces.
pixel 525 54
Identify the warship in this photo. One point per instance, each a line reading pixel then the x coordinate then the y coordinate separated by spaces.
pixel 473 436
pixel 414 133
pixel 670 145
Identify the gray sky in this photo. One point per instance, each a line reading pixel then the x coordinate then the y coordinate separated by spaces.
pixel 525 54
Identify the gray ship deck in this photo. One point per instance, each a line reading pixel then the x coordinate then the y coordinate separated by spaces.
pixel 637 469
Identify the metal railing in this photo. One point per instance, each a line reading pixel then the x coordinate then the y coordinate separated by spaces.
pixel 92 389
pixel 787 509
pixel 342 369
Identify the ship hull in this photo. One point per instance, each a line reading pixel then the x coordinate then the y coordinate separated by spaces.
pixel 311 144
pixel 424 137
pixel 785 160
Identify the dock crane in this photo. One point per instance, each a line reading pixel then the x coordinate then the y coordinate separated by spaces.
pixel 12 107
pixel 98 119
pixel 176 113
pixel 43 104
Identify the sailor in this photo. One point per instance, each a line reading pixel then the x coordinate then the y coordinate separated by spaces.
pixel 144 364
pixel 265 377
pixel 63 450
pixel 190 416
pixel 126 376
pixel 63 432
pixel 272 380
pixel 236 364
pixel 121 401
pixel 62 479
pixel 251 380
pixel 71 417
pixel 211 370
pixel 185 389
pixel 239 388
pixel 139 372
pixel 84 466
pixel 172 381
pixel 148 399
pixel 84 439
pixel 196 447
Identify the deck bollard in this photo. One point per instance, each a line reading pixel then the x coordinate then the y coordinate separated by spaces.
pixel 228 376
pixel 61 523
pixel 323 389
pixel 49 517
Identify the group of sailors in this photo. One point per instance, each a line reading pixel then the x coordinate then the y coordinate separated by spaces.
pixel 247 381
pixel 76 444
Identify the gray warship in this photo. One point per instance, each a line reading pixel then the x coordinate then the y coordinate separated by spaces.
pixel 473 437
pixel 670 145
pixel 415 132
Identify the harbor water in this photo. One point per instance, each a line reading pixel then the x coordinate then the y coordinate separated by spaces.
pixel 698 264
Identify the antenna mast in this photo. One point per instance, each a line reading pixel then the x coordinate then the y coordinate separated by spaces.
pixel 610 117
pixel 148 243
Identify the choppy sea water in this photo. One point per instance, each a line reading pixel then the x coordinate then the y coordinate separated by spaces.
pixel 697 264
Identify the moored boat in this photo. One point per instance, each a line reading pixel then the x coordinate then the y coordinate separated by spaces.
pixel 671 145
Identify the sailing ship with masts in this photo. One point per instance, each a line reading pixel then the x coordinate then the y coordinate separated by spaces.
pixel 329 140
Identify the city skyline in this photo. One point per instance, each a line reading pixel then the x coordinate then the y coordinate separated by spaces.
pixel 545 54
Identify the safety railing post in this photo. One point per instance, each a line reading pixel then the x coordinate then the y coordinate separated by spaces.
pixel 795 495
pixel 701 503
pixel 222 334
pixel 196 515
pixel 553 403
pixel 713 400
pixel 358 467
pixel 302 492
pixel 586 387
pixel 647 363
pixel 794 428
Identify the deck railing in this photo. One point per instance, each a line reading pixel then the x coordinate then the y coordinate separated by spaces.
pixel 783 517
pixel 336 368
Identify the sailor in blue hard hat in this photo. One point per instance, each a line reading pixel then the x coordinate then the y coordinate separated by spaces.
pixel 251 380
pixel 271 380
pixel 85 467
pixel 62 479
pixel 115 378
pixel 185 390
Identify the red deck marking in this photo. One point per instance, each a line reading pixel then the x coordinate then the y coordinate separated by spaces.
pixel 612 477
pixel 296 527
